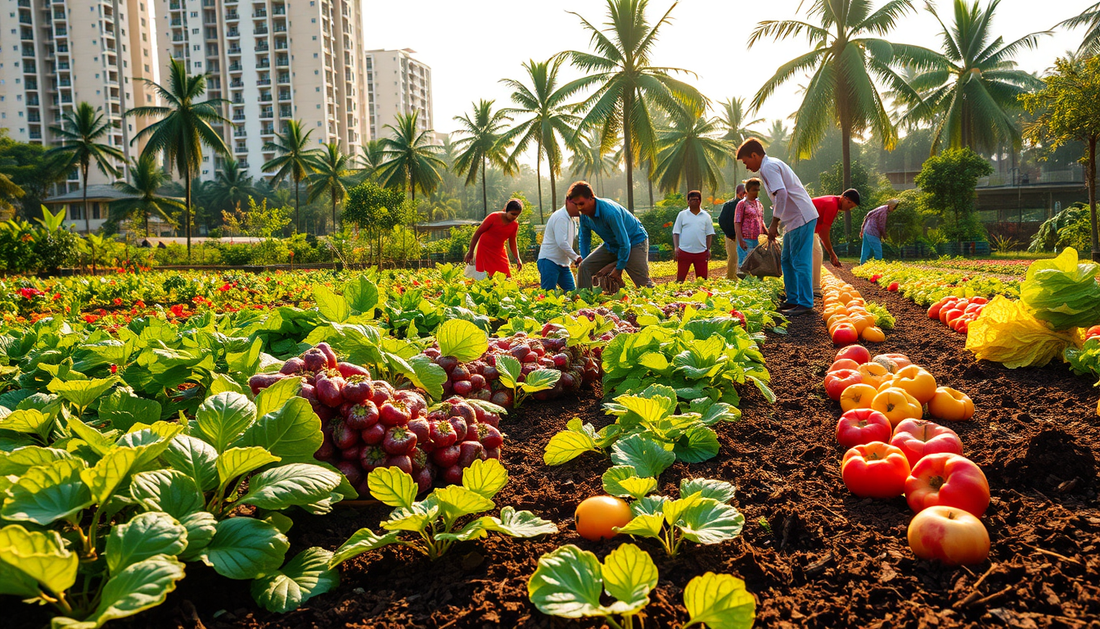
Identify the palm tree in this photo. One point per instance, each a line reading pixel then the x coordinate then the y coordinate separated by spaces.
pixel 1090 17
pixel 589 160
pixel 690 153
pixel 551 119
pixel 232 186
pixel 626 84
pixel 183 128
pixel 847 54
pixel 971 91
pixel 371 159
pixel 293 160
pixel 412 159
pixel 9 192
pixel 146 180
pixel 332 175
pixel 731 117
pixel 81 132
pixel 485 142
pixel 777 138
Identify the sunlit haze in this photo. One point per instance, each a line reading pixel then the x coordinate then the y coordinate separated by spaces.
pixel 472 45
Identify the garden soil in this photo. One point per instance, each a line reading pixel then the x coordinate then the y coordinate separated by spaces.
pixel 813 554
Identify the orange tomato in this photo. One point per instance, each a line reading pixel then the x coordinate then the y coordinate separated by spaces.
pixel 597 517
pixel 951 405
pixel 873 374
pixel 897 405
pixel 857 396
pixel 917 381
pixel 873 334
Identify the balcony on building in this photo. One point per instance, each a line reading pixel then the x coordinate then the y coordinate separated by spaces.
pixel 263 81
pixel 263 46
pixel 265 97
pixel 25 4
pixel 261 30
pixel 267 129
pixel 282 61
pixel 208 3
pixel 238 116
pixel 239 132
pixel 264 63
pixel 235 66
pixel 267 112
pixel 32 101
pixel 280 44
pixel 280 27
pixel 26 35
pixel 284 95
pixel 234 50
pixel 236 83
pixel 259 13
pixel 241 147
pixel 176 22
pixel 232 15
pixel 173 6
pixel 233 32
pixel 238 99
pixel 285 112
pixel 283 77
pixel 278 9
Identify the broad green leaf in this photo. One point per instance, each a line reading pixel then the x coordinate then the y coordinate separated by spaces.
pixel 518 524
pixel 649 505
pixel 122 408
pixel 273 397
pixel 645 525
pixel 245 548
pixel 236 462
pixel 392 487
pixel 718 490
pixel 711 522
pixel 47 493
pixel 651 410
pixel 719 412
pixel 360 542
pixel 170 491
pixel 150 442
pixel 719 601
pixel 15 582
pixel 648 457
pixel 485 478
pixel 222 383
pixel 570 443
pixel 292 433
pixel 332 307
pixel 42 556
pixel 461 339
pixel 28 421
pixel 623 481
pixel 769 395
pixel 473 530
pixel 361 294
pixel 414 519
pixel 541 380
pixel 567 583
pixel 109 472
pixel 196 458
pixel 510 370
pixel 290 485
pixel 428 376
pixel 97 441
pixel 139 587
pixel 246 363
pixel 201 527
pixel 145 535
pixel 22 459
pixel 629 575
pixel 674 509
pixel 222 418
pixel 654 361
pixel 302 578
pixel 698 445
pixel 455 501
pixel 81 393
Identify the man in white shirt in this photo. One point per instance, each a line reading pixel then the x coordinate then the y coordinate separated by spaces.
pixel 691 238
pixel 556 252
pixel 792 206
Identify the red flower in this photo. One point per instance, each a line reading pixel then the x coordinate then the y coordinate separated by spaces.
pixel 56 296
pixel 91 318
pixel 29 293
pixel 139 303
pixel 117 301
pixel 114 369
pixel 178 310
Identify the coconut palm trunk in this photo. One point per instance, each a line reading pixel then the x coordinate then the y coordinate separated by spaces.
pixel 628 150
pixel 538 178
pixel 84 184
pixel 1092 199
pixel 187 213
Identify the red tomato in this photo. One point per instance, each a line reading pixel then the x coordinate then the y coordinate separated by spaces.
pixel 934 309
pixel 893 287
pixel 858 353
pixel 875 470
pixel 979 300
pixel 845 333
pixel 837 381
pixel 862 425
pixel 597 517
pixel 951 480
pixel 843 363
pixel 950 535
pixel 918 438
pixel 1093 332
pixel 950 316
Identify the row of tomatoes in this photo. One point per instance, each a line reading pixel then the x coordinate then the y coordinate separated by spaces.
pixel 957 312
pixel 893 451
pixel 846 313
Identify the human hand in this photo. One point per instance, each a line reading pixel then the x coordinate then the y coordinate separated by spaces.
pixel 836 262
pixel 742 244
pixel 773 233
pixel 607 270
pixel 519 265
pixel 469 257
pixel 675 254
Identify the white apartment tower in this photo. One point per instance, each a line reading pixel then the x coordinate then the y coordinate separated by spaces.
pixel 397 84
pixel 57 53
pixel 274 61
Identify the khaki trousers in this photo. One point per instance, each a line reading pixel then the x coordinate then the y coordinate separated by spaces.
pixel 731 259
pixel 819 262
pixel 637 266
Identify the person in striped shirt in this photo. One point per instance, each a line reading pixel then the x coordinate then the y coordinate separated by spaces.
pixel 874 230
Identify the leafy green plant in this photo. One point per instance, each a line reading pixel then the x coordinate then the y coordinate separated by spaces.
pixel 571 582
pixel 1085 361
pixel 1063 291
pixel 702 514
pixel 430 525
pixel 511 376
pixel 883 318
pixel 646 425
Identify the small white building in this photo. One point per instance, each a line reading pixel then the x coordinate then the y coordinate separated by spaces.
pixel 100 198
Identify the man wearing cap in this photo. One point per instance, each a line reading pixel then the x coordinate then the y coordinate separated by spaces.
pixel 827 209
pixel 874 230
pixel 726 222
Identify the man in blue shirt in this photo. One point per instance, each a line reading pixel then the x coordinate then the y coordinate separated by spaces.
pixel 625 242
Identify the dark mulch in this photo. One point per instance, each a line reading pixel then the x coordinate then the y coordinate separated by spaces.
pixel 813 554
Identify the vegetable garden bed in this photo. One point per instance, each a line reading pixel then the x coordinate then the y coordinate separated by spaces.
pixel 811 553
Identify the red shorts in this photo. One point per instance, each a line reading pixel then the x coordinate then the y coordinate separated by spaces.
pixel 684 260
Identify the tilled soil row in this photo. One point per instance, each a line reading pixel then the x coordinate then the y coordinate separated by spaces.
pixel 813 554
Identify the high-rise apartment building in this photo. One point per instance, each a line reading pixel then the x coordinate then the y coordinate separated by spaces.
pixel 55 54
pixel 397 84
pixel 274 61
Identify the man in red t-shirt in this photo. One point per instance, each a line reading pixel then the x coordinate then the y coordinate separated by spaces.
pixel 827 209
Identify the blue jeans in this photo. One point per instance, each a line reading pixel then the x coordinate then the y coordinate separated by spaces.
pixel 872 247
pixel 798 264
pixel 552 275
pixel 743 253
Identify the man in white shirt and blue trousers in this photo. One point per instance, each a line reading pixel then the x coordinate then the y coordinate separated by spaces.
pixel 556 253
pixel 792 206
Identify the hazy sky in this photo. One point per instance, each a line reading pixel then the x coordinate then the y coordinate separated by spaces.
pixel 471 45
